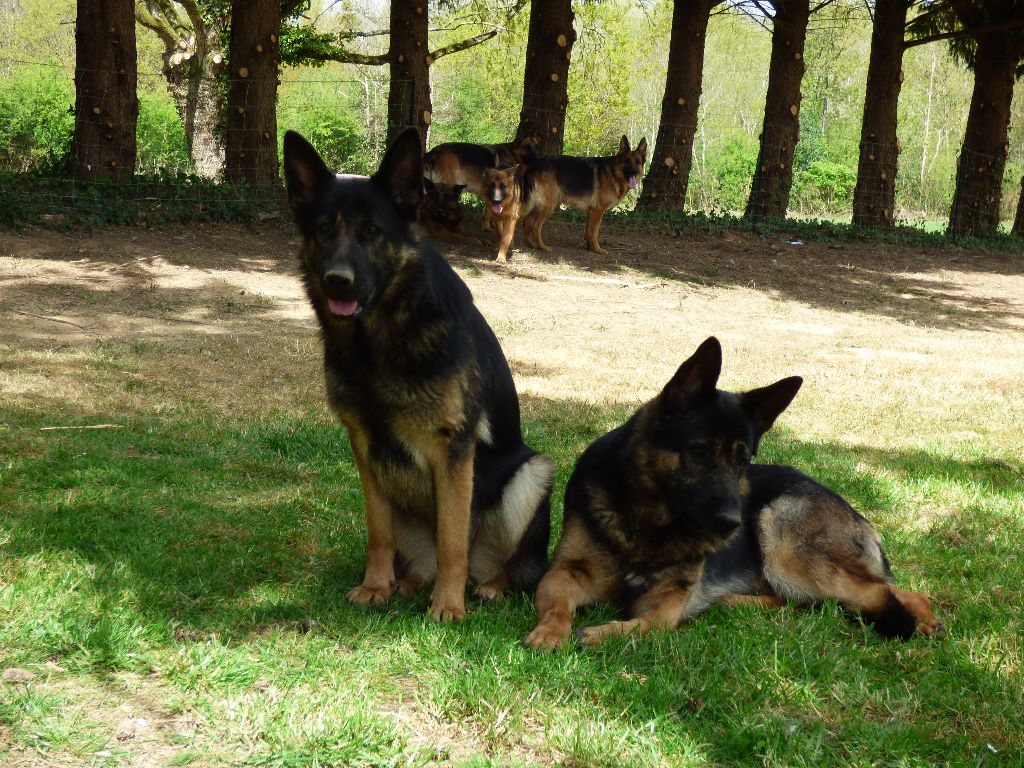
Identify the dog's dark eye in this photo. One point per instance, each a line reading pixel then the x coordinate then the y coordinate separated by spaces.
pixel 371 230
pixel 324 226
pixel 699 451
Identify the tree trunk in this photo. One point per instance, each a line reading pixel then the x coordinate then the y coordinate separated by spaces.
pixel 106 105
pixel 546 80
pixel 773 176
pixel 666 182
pixel 979 174
pixel 1018 221
pixel 251 141
pixel 874 197
pixel 192 68
pixel 409 62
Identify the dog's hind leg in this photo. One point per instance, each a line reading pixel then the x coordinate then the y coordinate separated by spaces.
pixel 511 546
pixel 764 601
pixel 816 547
pixel 892 611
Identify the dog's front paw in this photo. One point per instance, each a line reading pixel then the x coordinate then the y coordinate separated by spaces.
pixel 598 634
pixel 487 593
pixel 445 613
pixel 365 594
pixel 932 628
pixel 548 636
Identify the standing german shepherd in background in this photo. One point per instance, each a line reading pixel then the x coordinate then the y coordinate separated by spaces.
pixel 592 184
pixel 459 162
pixel 503 195
pixel 418 379
pixel 665 515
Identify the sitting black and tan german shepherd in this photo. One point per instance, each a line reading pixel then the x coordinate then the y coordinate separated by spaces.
pixel 418 379
pixel 440 213
pixel 592 184
pixel 666 516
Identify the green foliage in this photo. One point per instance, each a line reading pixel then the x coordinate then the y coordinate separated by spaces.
pixel 29 199
pixel 36 120
pixel 824 186
pixel 730 171
pixel 326 114
pixel 160 137
pixel 303 45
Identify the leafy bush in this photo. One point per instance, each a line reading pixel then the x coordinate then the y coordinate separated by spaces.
pixel 726 180
pixel 160 137
pixel 824 186
pixel 326 116
pixel 36 120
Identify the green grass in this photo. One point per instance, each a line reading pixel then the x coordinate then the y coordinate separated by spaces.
pixel 206 559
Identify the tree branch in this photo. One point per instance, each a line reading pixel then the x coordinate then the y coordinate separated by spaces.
pixel 192 9
pixel 469 42
pixel 163 30
pixel 958 33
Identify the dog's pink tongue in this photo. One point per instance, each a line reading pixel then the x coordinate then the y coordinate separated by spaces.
pixel 632 182
pixel 497 207
pixel 343 307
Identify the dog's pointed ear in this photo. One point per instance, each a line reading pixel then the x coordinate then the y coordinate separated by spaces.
pixel 400 175
pixel 696 377
pixel 642 146
pixel 623 145
pixel 764 405
pixel 305 172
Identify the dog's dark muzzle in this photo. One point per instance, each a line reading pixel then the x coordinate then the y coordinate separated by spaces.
pixel 728 516
pixel 344 298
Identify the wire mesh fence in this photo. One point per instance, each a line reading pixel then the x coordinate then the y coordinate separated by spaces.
pixel 183 134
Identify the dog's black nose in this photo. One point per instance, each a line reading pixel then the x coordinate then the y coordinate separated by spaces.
pixel 729 515
pixel 339 278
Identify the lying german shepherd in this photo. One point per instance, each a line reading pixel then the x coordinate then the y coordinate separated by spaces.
pixel 592 184
pixel 665 515
pixel 418 379
pixel 460 162
pixel 503 194
pixel 440 213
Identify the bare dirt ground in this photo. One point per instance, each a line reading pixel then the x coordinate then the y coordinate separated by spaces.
pixel 215 314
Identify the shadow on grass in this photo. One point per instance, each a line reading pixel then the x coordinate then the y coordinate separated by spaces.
pixel 179 531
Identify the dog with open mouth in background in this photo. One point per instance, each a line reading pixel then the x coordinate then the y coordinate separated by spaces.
pixel 666 516
pixel 591 184
pixel 420 383
pixel 503 193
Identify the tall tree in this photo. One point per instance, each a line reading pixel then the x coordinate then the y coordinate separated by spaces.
pixel 666 182
pixel 106 104
pixel 780 131
pixel 251 138
pixel 193 39
pixel 546 80
pixel 874 197
pixel 409 57
pixel 409 60
pixel 988 36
